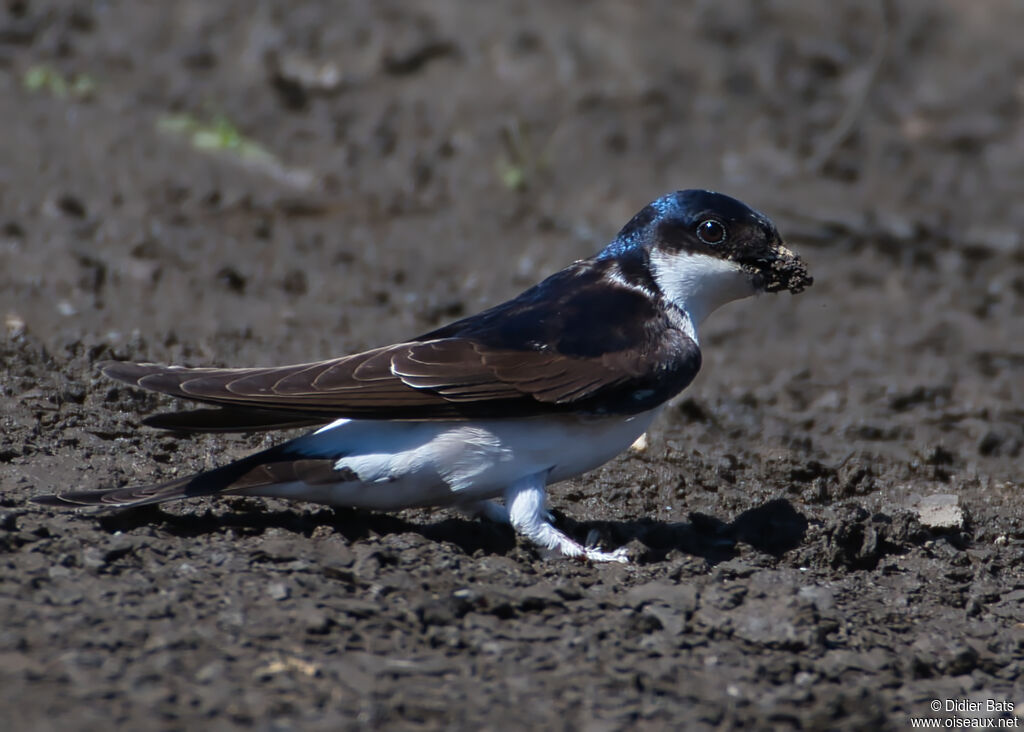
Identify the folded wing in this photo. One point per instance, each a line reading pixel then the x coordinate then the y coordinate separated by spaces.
pixel 582 340
pixel 444 379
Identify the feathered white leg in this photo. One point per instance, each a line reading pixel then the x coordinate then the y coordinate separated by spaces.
pixel 527 512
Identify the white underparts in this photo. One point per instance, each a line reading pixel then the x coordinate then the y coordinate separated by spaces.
pixel 393 465
pixel 699 283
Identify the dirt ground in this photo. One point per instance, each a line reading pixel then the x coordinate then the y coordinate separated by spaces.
pixel 258 183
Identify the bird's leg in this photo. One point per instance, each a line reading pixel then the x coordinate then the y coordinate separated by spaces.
pixel 526 503
pixel 493 511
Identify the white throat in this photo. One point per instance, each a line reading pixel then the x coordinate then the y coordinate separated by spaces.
pixel 698 283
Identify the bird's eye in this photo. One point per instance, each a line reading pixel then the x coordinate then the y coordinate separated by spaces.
pixel 711 232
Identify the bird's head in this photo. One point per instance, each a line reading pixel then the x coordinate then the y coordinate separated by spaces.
pixel 703 249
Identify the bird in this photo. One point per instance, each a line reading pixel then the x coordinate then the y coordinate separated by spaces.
pixel 544 387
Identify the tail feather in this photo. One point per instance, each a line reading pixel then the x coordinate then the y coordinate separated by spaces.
pixel 137 496
pixel 270 467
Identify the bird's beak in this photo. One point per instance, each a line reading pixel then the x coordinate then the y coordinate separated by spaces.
pixel 780 268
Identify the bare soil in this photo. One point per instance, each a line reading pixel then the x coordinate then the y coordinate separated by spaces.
pixel 382 168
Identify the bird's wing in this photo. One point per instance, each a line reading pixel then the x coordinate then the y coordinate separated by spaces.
pixel 451 378
pixel 578 341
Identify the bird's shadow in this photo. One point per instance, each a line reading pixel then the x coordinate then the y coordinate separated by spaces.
pixel 774 528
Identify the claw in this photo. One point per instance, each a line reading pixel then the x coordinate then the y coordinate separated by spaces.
pixel 620 555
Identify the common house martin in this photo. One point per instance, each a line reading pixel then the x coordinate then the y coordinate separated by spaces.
pixel 539 389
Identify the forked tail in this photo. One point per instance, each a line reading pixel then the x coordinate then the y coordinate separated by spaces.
pixel 270 467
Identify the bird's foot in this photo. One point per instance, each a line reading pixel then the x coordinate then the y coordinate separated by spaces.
pixel 525 501
pixel 556 544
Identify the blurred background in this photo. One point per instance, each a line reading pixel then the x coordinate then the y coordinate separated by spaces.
pixel 297 169
pixel 253 183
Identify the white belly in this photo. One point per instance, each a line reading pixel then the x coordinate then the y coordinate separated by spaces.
pixel 392 465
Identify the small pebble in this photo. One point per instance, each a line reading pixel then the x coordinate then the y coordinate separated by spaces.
pixel 279 591
pixel 940 511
